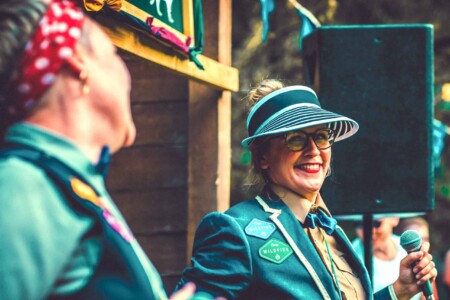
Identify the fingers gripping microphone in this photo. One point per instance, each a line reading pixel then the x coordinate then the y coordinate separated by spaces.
pixel 411 241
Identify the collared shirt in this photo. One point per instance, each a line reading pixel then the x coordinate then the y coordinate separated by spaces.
pixel 44 249
pixel 349 283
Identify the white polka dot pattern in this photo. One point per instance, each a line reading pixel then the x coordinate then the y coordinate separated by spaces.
pixel 41 63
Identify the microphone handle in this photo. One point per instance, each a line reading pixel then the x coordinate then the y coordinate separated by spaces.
pixel 426 288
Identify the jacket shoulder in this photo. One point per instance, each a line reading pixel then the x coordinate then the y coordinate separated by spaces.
pixel 243 208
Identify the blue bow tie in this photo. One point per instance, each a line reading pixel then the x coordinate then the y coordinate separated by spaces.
pixel 103 161
pixel 322 220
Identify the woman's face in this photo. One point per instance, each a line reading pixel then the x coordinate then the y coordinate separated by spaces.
pixel 383 234
pixel 110 87
pixel 302 172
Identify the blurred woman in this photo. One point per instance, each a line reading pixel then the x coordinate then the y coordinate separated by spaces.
pixel 387 252
pixel 66 95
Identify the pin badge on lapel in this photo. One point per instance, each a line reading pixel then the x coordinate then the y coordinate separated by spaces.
pixel 260 229
pixel 120 228
pixel 85 192
pixel 275 251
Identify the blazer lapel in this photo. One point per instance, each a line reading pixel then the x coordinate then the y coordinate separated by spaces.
pixel 300 243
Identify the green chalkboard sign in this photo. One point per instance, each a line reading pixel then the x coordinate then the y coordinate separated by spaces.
pixel 168 11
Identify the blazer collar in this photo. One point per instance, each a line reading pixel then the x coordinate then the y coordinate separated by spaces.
pixel 284 218
pixel 296 237
pixel 298 205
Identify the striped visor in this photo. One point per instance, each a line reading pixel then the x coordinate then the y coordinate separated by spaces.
pixel 292 108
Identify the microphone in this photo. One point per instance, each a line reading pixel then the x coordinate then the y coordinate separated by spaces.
pixel 411 241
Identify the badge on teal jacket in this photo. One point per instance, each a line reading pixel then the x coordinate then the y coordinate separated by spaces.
pixel 260 229
pixel 275 251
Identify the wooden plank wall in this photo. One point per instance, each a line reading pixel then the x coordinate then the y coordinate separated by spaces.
pixel 209 126
pixel 178 169
pixel 149 180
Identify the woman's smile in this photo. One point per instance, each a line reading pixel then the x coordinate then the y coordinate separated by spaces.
pixel 309 167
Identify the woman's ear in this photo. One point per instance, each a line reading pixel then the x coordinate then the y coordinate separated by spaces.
pixel 78 66
pixel 76 63
pixel 263 163
pixel 259 156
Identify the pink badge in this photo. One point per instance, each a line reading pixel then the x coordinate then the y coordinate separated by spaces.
pixel 120 228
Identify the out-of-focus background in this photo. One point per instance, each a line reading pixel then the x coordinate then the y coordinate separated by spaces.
pixel 279 57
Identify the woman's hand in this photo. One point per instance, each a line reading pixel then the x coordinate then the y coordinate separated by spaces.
pixel 413 275
pixel 186 292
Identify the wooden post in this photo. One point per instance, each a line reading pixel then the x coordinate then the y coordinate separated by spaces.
pixel 202 156
pixel 209 127
pixel 224 110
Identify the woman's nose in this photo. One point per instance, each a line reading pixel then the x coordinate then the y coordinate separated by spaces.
pixel 311 146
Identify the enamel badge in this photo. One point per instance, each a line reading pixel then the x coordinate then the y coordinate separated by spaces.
pixel 120 228
pixel 275 251
pixel 260 229
pixel 84 191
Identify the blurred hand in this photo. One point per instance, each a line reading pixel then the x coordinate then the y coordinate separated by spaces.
pixel 187 293
pixel 184 293
pixel 412 275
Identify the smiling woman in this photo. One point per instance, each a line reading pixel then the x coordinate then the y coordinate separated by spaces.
pixel 284 244
pixel 286 117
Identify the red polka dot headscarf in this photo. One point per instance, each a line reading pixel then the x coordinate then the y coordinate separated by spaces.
pixel 48 49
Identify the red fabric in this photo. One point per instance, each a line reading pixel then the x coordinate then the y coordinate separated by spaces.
pixel 49 48
pixel 168 36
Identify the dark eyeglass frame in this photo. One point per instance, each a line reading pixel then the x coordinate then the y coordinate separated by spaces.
pixel 315 136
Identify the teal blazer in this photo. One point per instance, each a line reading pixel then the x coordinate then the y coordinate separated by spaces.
pixel 259 250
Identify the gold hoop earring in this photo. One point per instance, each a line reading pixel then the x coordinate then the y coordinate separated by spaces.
pixel 85 89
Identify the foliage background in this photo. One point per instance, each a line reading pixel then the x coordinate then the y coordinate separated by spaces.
pixel 279 58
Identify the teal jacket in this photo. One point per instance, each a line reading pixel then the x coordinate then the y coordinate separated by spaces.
pixel 48 248
pixel 259 250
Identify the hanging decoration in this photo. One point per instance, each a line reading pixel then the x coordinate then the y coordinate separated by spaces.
pixel 267 7
pixel 309 21
pixel 113 8
pixel 96 5
pixel 440 131
pixel 167 36
pixel 199 34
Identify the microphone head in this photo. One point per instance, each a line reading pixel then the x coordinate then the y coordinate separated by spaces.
pixel 411 241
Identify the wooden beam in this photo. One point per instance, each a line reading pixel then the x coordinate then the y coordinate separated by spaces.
pixel 218 75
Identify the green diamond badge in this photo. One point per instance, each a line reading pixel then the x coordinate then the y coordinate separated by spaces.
pixel 275 251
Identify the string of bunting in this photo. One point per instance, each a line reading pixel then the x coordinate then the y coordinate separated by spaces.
pixel 309 21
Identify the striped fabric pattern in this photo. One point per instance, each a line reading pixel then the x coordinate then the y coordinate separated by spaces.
pixel 300 115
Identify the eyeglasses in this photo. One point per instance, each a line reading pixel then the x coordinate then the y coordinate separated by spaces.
pixel 297 140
